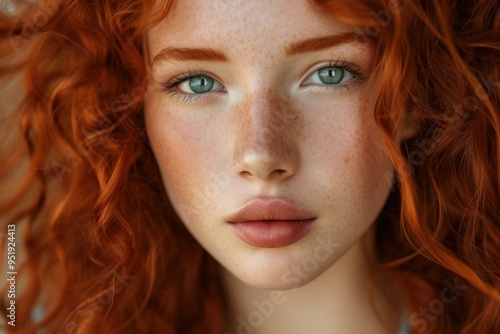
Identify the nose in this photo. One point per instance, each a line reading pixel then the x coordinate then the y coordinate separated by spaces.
pixel 266 146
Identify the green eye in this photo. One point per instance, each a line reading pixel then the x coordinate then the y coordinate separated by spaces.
pixel 201 84
pixel 198 84
pixel 331 75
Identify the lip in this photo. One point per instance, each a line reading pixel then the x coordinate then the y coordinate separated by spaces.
pixel 271 223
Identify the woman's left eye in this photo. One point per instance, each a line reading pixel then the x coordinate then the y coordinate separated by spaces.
pixel 330 76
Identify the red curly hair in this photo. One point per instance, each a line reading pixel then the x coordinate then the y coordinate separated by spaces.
pixel 102 253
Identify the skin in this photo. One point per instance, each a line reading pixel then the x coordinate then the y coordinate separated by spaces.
pixel 270 129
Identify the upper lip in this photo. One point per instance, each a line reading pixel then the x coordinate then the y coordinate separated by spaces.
pixel 269 209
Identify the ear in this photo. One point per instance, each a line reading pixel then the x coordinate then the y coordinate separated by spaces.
pixel 411 125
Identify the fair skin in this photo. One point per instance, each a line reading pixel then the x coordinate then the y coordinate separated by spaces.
pixel 260 118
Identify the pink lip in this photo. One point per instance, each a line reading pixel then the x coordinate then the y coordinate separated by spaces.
pixel 270 223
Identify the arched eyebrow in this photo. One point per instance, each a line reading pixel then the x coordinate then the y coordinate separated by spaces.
pixel 320 43
pixel 179 54
pixel 208 54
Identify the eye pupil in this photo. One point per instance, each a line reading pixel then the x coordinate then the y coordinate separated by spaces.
pixel 201 84
pixel 331 75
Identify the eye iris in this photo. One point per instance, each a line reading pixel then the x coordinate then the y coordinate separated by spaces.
pixel 331 75
pixel 201 84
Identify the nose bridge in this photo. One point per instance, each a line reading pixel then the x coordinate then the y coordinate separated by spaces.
pixel 265 121
pixel 266 147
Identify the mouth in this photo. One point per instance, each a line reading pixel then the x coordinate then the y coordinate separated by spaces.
pixel 271 223
pixel 272 233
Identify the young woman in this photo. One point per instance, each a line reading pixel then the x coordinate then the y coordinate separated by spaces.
pixel 285 166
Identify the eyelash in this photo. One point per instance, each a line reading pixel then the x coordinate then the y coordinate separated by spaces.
pixel 357 80
pixel 356 71
pixel 169 86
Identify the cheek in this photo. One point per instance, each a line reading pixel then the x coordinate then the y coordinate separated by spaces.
pixel 185 152
pixel 179 159
pixel 348 162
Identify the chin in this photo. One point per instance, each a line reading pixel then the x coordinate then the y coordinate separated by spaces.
pixel 280 269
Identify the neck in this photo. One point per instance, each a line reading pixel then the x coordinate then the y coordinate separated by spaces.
pixel 338 301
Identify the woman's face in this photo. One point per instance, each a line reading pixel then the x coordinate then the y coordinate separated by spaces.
pixel 263 105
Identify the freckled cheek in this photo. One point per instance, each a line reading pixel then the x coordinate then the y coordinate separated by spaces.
pixel 331 133
pixel 364 170
pixel 184 155
pixel 343 147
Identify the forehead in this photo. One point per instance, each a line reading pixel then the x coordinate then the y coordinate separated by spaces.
pixel 242 26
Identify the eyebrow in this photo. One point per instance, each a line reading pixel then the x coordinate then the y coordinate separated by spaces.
pixel 203 54
pixel 208 54
pixel 320 43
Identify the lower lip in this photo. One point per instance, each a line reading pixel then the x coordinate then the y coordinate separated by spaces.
pixel 272 233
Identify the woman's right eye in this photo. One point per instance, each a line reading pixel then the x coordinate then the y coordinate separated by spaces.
pixel 199 84
pixel 192 83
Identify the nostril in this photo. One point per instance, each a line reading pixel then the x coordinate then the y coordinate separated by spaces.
pixel 279 171
pixel 245 173
pixel 275 173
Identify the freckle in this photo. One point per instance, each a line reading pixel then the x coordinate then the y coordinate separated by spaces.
pixel 346 160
